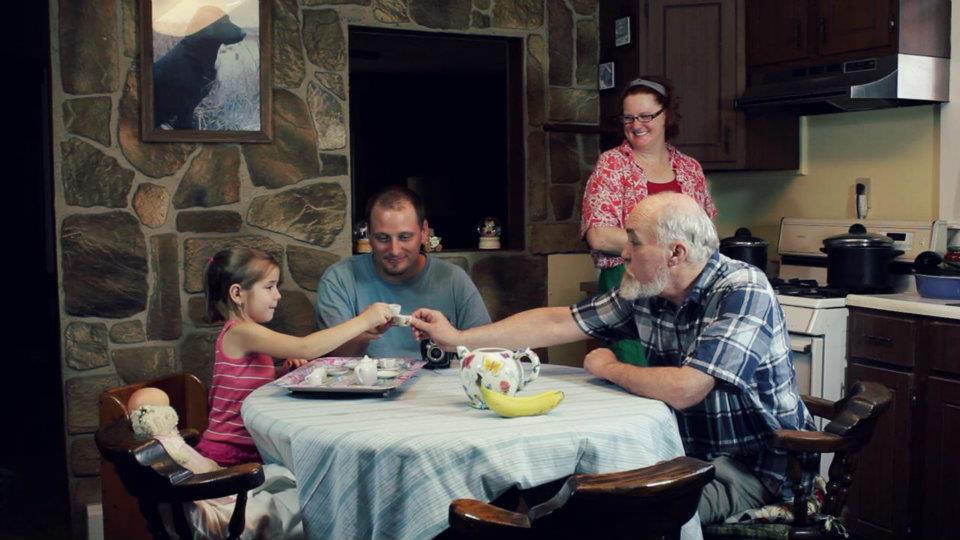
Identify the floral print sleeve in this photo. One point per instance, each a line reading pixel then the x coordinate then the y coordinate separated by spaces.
pixel 692 182
pixel 603 197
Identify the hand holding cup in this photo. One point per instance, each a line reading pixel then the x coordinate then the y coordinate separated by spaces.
pixel 398 319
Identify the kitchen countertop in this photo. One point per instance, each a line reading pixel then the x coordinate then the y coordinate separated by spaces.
pixel 910 302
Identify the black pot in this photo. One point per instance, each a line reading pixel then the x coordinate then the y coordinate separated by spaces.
pixel 859 261
pixel 745 247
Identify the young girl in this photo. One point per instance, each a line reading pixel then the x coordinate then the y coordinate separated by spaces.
pixel 241 289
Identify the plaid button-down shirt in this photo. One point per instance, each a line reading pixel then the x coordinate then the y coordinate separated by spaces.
pixel 731 328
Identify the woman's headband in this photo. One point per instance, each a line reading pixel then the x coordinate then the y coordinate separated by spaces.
pixel 656 87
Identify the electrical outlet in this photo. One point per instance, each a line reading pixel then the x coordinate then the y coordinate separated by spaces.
pixel 862 200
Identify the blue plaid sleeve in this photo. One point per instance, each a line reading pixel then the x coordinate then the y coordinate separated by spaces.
pixel 732 344
pixel 606 316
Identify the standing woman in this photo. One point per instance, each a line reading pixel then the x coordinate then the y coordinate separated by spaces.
pixel 642 165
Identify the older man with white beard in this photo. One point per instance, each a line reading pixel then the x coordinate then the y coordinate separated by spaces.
pixel 715 338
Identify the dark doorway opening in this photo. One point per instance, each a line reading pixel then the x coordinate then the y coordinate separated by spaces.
pixel 442 115
pixel 34 502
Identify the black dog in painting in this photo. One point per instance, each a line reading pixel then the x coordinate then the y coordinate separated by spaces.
pixel 183 76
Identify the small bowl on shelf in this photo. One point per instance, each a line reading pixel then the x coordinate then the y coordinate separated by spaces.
pixel 946 287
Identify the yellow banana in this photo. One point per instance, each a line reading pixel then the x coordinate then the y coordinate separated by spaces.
pixel 512 406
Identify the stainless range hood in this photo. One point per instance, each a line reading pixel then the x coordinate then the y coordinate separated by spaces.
pixel 866 83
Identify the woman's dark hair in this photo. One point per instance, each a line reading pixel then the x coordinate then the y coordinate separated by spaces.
pixel 668 101
pixel 242 265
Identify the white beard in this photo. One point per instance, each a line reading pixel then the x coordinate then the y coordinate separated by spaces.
pixel 631 289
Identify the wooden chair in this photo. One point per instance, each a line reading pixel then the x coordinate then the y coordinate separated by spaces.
pixel 188 396
pixel 652 502
pixel 852 421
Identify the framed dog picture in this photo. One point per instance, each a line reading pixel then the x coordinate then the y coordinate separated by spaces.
pixel 205 71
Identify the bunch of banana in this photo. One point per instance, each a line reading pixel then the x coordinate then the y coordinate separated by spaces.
pixel 512 406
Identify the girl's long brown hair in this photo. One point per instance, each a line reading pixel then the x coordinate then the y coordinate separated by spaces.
pixel 242 265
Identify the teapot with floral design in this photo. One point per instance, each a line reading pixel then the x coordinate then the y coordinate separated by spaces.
pixel 497 369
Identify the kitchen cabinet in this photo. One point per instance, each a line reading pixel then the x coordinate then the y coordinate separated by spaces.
pixel 776 31
pixel 699 45
pixel 852 25
pixel 786 31
pixel 907 479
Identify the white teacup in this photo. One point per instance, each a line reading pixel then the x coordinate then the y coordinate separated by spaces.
pixel 398 319
pixel 317 376
pixel 389 363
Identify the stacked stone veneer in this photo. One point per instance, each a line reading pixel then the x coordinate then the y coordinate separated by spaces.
pixel 137 221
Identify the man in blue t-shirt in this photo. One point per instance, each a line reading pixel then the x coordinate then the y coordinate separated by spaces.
pixel 396 272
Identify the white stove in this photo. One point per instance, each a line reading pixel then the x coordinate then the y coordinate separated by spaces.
pixel 815 314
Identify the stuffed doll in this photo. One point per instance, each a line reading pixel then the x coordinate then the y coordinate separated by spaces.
pixel 273 510
pixel 152 416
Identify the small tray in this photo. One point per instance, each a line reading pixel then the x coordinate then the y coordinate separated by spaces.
pixel 346 383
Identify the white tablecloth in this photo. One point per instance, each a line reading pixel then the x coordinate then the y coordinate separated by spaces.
pixel 389 467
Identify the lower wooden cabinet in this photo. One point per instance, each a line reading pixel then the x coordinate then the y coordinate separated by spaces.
pixel 881 492
pixel 941 471
pixel 908 478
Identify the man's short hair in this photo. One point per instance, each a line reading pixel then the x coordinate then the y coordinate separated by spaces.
pixel 688 224
pixel 394 197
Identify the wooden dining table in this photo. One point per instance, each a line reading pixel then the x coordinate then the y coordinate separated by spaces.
pixel 388 467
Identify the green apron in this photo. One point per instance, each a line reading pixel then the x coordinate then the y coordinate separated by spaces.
pixel 629 351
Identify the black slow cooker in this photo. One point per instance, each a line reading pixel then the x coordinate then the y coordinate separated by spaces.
pixel 745 247
pixel 859 261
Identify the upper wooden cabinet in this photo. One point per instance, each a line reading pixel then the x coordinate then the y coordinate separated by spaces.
pixel 694 44
pixel 699 45
pixel 806 31
pixel 776 31
pixel 853 25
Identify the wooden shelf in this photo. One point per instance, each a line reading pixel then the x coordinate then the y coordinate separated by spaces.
pixel 579 128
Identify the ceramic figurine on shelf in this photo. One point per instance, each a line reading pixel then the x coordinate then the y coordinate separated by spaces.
pixel 433 242
pixel 489 230
pixel 361 242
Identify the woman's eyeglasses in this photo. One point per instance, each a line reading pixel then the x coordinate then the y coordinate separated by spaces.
pixel 643 118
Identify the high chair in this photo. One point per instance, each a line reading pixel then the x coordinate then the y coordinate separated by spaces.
pixel 188 396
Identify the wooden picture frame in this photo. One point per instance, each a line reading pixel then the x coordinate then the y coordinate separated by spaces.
pixel 205 71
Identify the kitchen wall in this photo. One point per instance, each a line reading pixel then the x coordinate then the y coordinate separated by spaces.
pixel 898 149
pixel 565 272
pixel 135 221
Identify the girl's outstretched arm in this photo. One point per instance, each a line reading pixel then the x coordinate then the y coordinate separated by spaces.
pixel 257 338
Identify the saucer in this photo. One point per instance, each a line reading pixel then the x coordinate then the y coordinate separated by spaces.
pixel 387 374
pixel 336 371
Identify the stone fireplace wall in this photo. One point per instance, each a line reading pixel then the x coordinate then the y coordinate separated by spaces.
pixel 136 221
